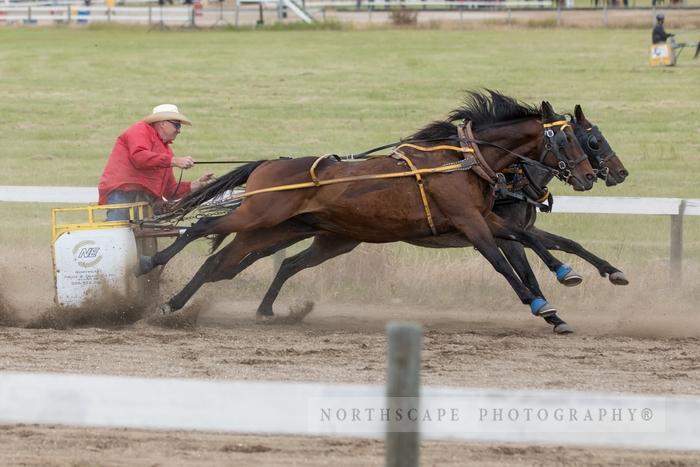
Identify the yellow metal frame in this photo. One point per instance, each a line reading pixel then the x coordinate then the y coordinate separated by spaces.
pixel 136 211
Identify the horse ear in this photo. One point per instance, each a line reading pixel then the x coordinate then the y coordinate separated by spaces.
pixel 547 110
pixel 578 113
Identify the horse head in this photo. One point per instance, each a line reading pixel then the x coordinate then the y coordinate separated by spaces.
pixel 601 156
pixel 563 151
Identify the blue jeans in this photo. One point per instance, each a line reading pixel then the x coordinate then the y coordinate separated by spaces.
pixel 121 197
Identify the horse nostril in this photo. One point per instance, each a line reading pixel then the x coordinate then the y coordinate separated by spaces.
pixel 590 177
pixel 623 173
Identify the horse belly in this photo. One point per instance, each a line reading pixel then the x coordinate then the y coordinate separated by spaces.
pixel 376 213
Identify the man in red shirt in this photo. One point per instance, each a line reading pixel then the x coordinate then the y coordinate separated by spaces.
pixel 140 165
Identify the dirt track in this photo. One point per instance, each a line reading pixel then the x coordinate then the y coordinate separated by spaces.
pixel 625 341
pixel 341 343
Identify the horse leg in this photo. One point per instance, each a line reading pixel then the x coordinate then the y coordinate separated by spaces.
pixel 501 229
pixel 322 249
pixel 477 230
pixel 263 211
pixel 515 254
pixel 245 249
pixel 198 230
pixel 556 242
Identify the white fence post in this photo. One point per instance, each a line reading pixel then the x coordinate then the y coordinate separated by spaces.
pixel 402 391
pixel 677 243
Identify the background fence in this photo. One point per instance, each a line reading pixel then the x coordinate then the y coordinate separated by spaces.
pixel 194 14
pixel 675 208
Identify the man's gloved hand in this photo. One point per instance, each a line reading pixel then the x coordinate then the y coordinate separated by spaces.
pixel 204 180
pixel 183 162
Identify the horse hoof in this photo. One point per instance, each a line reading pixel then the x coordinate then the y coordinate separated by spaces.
pixel 145 265
pixel 568 277
pixel 618 278
pixel 541 307
pixel 563 328
pixel 572 280
pixel 165 309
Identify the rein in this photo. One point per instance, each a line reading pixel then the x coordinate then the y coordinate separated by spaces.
pixel 452 167
pixel 468 144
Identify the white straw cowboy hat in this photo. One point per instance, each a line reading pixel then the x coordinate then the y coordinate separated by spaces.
pixel 166 112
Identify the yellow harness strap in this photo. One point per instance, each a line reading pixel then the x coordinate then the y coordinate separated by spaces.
pixel 544 196
pixel 296 186
pixel 434 148
pixel 421 188
pixel 312 170
pixel 562 123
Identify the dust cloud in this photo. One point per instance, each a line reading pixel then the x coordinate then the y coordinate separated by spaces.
pixel 655 304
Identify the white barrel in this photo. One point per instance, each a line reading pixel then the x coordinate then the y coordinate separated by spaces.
pixel 94 258
pixel 88 262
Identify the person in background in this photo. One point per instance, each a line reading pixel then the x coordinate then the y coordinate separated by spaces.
pixel 659 34
pixel 140 167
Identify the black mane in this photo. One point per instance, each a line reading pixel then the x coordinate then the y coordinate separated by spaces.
pixel 482 109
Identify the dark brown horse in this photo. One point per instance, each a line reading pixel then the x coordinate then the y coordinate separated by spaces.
pixel 515 210
pixel 604 160
pixel 344 214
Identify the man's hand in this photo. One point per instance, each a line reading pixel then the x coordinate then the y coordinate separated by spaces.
pixel 203 181
pixel 183 162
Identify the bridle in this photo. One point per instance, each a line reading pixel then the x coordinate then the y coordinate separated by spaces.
pixel 555 142
pixel 593 143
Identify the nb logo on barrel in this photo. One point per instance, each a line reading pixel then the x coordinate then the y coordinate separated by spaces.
pixel 86 254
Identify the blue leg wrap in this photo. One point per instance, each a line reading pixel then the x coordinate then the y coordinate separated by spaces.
pixel 536 304
pixel 563 271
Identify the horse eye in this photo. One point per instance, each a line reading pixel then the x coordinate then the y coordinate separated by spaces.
pixel 593 143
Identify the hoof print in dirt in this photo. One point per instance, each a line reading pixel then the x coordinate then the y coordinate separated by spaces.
pixel 296 315
pixel 186 319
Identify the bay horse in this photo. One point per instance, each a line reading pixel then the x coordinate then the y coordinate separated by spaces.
pixel 603 159
pixel 515 211
pixel 360 202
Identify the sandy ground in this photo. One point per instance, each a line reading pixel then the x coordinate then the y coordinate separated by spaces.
pixel 341 343
pixel 634 344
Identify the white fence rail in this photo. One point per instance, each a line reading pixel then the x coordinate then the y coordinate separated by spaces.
pixel 33 14
pixel 555 417
pixel 562 204
pixel 676 208
pixel 199 14
pixel 45 194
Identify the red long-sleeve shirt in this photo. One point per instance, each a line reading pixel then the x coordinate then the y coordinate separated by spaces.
pixel 140 161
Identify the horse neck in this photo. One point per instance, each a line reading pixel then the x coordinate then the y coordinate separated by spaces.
pixel 524 137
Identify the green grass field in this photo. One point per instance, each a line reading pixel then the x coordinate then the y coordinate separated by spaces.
pixel 66 94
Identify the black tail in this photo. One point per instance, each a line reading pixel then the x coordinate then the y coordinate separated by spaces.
pixel 229 181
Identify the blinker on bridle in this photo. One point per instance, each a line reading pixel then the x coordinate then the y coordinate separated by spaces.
pixel 593 143
pixel 553 140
